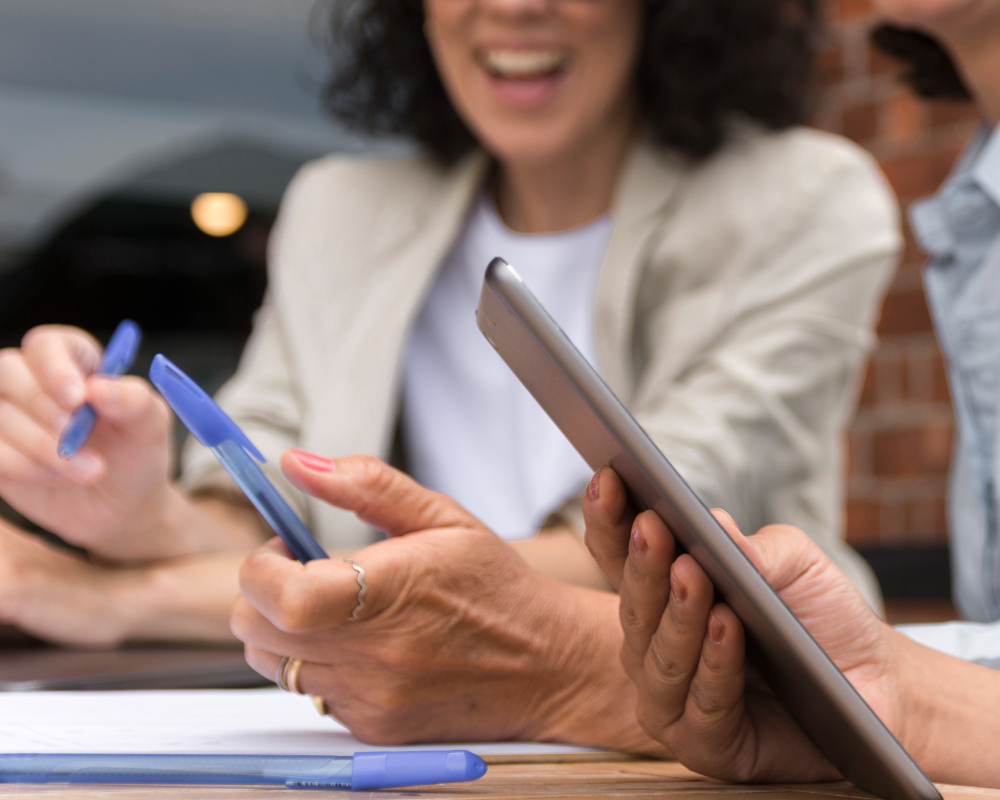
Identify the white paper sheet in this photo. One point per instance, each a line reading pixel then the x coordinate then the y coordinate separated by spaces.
pixel 253 721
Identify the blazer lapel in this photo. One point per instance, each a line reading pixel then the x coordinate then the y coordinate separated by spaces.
pixel 410 244
pixel 646 192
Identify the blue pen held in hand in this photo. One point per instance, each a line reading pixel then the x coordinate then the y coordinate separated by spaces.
pixel 211 426
pixel 362 772
pixel 118 357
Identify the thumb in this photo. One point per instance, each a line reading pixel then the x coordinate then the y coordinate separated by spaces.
pixel 131 405
pixel 381 496
pixel 781 553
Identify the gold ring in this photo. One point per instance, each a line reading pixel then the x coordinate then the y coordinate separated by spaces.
pixel 292 675
pixel 279 677
pixel 320 703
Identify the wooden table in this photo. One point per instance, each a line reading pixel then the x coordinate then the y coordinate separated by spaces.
pixel 598 780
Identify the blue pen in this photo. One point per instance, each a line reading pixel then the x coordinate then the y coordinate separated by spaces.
pixel 362 772
pixel 213 428
pixel 118 357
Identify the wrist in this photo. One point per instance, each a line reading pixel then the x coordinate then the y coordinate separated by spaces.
pixel 185 599
pixel 591 700
pixel 173 527
pixel 187 525
pixel 925 703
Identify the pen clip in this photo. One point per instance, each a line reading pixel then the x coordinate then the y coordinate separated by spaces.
pixel 303 784
pixel 210 424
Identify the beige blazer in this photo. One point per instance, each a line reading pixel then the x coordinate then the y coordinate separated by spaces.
pixel 734 309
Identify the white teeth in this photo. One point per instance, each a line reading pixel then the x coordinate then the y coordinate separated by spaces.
pixel 523 63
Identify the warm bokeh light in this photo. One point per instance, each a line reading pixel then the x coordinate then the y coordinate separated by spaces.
pixel 219 213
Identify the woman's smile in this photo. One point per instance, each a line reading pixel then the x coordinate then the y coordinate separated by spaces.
pixel 523 77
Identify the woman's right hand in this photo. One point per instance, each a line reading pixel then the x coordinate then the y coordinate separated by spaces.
pixel 113 497
pixel 458 639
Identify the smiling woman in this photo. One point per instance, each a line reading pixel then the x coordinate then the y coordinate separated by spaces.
pixel 692 65
pixel 641 165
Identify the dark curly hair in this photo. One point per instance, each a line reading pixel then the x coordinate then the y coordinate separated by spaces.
pixel 702 64
pixel 930 69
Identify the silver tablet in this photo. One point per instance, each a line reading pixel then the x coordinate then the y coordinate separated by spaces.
pixel 796 668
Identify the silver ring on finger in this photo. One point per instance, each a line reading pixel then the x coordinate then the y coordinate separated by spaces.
pixel 279 677
pixel 361 592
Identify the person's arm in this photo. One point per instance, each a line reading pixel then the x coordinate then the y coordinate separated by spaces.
pixel 458 639
pixel 68 599
pixel 685 653
pixel 949 719
pixel 560 553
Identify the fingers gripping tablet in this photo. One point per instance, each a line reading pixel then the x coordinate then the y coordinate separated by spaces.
pixel 815 692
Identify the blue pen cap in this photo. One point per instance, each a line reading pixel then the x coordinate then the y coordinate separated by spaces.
pixel 386 770
pixel 199 412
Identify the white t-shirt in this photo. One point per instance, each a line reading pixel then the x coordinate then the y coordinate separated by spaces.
pixel 471 429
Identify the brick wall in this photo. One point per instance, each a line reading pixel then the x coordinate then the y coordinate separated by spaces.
pixel 900 441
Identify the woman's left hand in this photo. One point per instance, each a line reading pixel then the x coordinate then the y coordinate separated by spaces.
pixel 685 650
pixel 458 639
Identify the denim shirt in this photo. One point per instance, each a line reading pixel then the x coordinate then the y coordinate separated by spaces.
pixel 960 228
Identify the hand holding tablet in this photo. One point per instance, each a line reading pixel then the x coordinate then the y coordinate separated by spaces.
pixel 814 691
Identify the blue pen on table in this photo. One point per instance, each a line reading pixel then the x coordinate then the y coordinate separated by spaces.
pixel 118 357
pixel 361 772
pixel 211 426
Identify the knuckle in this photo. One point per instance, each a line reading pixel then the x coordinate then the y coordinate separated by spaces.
pixel 629 616
pixel 9 358
pixel 294 610
pixel 666 669
pixel 708 703
pixel 248 571
pixel 9 368
pixel 289 618
pixel 42 337
pixel 32 336
pixel 375 473
pixel 240 618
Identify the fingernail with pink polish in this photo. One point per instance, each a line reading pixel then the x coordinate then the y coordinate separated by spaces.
pixel 313 461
